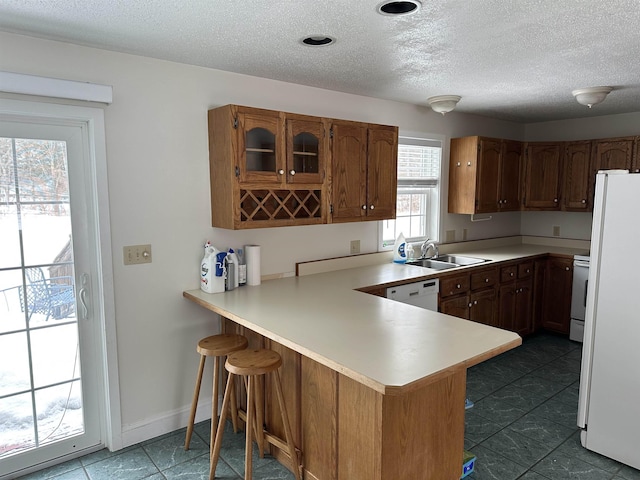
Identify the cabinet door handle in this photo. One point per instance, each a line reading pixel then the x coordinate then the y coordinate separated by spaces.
pixel 458 164
pixel 566 268
pixel 486 280
pixel 292 172
pixel 281 172
pixel 468 164
pixel 584 201
pixel 470 305
pixel 555 200
pixel 458 285
pixel 512 274
pixel 372 207
pixel 475 302
pixel 364 207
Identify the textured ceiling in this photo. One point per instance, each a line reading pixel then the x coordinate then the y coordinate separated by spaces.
pixel 516 60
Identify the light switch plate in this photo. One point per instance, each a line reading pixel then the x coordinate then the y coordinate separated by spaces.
pixel 136 254
pixel 556 230
pixel 450 236
pixel 355 247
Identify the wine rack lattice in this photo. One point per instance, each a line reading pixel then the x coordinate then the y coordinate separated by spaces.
pixel 262 205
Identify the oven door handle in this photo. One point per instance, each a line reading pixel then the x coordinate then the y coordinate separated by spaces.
pixel 581 263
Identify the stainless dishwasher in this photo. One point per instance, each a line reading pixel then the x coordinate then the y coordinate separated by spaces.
pixel 421 294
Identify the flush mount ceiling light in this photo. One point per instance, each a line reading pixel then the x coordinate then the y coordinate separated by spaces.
pixel 399 8
pixel 591 96
pixel 318 40
pixel 443 103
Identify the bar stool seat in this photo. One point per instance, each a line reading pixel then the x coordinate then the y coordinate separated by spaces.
pixel 252 364
pixel 215 346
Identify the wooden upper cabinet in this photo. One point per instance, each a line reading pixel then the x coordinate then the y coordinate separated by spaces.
pixel 576 190
pixel 382 172
pixel 261 146
pixel 510 168
pixel 349 170
pixel 488 175
pixel 543 170
pixel 613 153
pixel 635 164
pixel 364 171
pixel 484 175
pixel 306 149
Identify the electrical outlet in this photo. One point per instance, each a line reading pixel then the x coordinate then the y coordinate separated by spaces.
pixel 450 236
pixel 135 254
pixel 556 230
pixel 355 246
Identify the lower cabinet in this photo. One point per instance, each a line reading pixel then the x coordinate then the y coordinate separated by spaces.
pixel 556 296
pixel 471 296
pixel 516 297
pixel 522 297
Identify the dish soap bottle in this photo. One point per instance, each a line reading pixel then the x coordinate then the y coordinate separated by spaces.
pixel 399 250
pixel 208 281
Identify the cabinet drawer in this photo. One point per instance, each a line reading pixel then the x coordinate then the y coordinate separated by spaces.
pixel 508 273
pixel 454 285
pixel 525 270
pixel 484 278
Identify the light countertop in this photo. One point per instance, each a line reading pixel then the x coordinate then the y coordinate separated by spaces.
pixel 389 346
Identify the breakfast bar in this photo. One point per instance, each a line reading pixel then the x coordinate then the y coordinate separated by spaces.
pixel 375 389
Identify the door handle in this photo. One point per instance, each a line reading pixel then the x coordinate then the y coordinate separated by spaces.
pixel 83 296
pixel 586 284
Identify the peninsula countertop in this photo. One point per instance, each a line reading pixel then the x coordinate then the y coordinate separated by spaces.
pixel 389 346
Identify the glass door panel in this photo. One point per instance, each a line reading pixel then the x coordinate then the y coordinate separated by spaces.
pixel 305 152
pixel 42 402
pixel 260 146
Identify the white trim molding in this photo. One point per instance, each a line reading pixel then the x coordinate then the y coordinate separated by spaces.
pixel 21 83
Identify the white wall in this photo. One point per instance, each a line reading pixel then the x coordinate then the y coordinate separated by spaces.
pixel 156 131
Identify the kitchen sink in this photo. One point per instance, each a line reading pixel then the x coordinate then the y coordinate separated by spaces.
pixel 444 262
pixel 432 263
pixel 460 260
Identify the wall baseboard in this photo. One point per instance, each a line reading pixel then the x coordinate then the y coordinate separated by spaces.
pixel 161 424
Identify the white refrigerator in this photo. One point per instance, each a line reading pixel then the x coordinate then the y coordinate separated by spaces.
pixel 609 405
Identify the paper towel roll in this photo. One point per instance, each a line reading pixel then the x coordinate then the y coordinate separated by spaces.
pixel 252 256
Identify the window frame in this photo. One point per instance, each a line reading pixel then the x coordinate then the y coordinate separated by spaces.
pixel 428 140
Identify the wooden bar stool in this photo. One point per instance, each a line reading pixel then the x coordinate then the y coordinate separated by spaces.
pixel 215 346
pixel 252 364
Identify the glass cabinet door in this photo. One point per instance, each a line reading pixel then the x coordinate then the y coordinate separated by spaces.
pixel 261 148
pixel 305 151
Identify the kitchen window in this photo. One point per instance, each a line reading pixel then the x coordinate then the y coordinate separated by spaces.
pixel 418 202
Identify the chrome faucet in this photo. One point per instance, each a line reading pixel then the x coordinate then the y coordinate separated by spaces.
pixel 426 245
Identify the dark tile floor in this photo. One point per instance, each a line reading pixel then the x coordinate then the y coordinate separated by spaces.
pixel 523 426
pixel 523 423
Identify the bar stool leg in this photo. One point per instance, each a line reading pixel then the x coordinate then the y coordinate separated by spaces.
pixel 214 400
pixel 217 444
pixel 194 403
pixel 287 427
pixel 248 454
